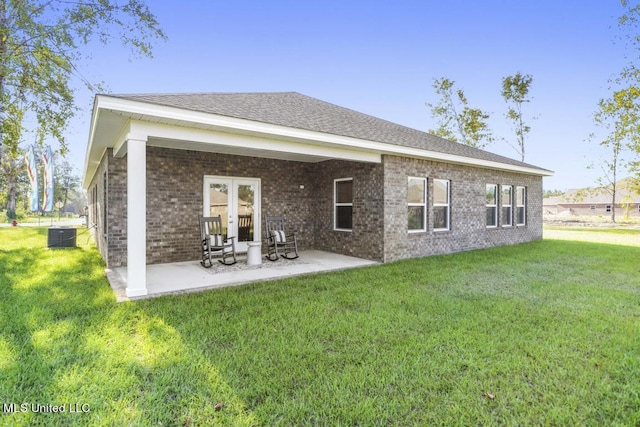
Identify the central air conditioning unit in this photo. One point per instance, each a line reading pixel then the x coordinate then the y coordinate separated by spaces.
pixel 61 238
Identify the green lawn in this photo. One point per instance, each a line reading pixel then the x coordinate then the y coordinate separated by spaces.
pixel 615 236
pixel 545 333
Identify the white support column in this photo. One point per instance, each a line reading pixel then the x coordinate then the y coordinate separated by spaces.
pixel 136 217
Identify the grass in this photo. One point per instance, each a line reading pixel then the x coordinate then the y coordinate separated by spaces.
pixel 615 236
pixel 544 333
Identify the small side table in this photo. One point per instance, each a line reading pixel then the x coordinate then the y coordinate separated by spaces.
pixel 254 253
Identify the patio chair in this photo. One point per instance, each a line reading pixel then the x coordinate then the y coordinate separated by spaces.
pixel 245 225
pixel 279 244
pixel 215 243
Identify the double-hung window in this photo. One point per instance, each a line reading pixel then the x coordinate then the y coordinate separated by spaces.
pixel 492 205
pixel 521 205
pixel 343 204
pixel 506 201
pixel 417 204
pixel 441 204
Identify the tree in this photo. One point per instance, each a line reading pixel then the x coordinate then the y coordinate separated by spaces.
pixel 629 77
pixel 619 116
pixel 10 168
pixel 39 56
pixel 66 182
pixel 457 121
pixel 515 91
pixel 552 193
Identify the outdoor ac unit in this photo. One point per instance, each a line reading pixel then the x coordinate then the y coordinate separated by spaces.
pixel 61 238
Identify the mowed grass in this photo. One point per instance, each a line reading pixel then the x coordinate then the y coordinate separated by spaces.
pixel 544 333
pixel 614 236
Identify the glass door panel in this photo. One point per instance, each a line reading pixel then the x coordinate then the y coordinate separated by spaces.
pixel 219 202
pixel 237 201
pixel 246 212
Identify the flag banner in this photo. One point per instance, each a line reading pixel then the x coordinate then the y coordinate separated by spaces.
pixel 47 202
pixel 32 171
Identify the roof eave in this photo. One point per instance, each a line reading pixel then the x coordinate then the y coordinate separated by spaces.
pixel 140 110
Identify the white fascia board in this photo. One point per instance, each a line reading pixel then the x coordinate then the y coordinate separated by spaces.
pixel 94 119
pixel 234 124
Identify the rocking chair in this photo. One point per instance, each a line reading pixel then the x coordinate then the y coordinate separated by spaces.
pixel 215 243
pixel 279 244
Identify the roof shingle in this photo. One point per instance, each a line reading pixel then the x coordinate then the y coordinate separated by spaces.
pixel 299 111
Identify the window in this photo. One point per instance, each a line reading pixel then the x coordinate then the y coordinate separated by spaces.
pixel 521 200
pixel 343 202
pixel 492 205
pixel 608 208
pixel 417 204
pixel 592 207
pixel 441 204
pixel 506 201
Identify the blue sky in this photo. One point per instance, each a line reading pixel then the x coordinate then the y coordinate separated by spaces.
pixel 381 57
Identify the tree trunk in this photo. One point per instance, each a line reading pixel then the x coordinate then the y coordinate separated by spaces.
pixel 613 193
pixel 10 168
pixel 11 197
pixel 613 203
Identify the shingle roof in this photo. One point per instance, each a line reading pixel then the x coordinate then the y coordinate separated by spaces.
pixel 303 112
pixel 626 192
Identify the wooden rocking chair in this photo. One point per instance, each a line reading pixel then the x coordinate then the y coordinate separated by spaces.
pixel 215 243
pixel 279 244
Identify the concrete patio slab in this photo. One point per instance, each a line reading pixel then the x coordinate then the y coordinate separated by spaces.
pixel 190 276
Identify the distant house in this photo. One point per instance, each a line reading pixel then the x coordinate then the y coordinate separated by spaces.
pixel 347 182
pixel 595 202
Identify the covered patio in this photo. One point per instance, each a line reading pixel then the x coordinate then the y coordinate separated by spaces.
pixel 155 168
pixel 189 276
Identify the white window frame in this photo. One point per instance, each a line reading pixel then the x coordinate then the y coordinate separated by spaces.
pixel 447 205
pixel 523 205
pixel 608 208
pixel 423 204
pixel 506 205
pixel 336 204
pixel 494 206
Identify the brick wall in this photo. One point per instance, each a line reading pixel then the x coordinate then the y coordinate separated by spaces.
pixel 175 199
pixel 467 209
pixel 365 240
pixel 112 239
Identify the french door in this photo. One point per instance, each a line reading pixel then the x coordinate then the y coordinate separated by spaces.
pixel 237 201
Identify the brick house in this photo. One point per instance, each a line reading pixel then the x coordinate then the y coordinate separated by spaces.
pixel 596 201
pixel 346 182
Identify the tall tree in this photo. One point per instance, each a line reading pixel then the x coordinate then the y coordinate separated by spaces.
pixel 629 77
pixel 40 44
pixel 65 183
pixel 515 92
pixel 456 120
pixel 10 168
pixel 618 115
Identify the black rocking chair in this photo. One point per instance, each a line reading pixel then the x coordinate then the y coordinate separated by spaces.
pixel 279 244
pixel 215 243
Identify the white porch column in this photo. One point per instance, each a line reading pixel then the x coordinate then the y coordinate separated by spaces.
pixel 136 217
